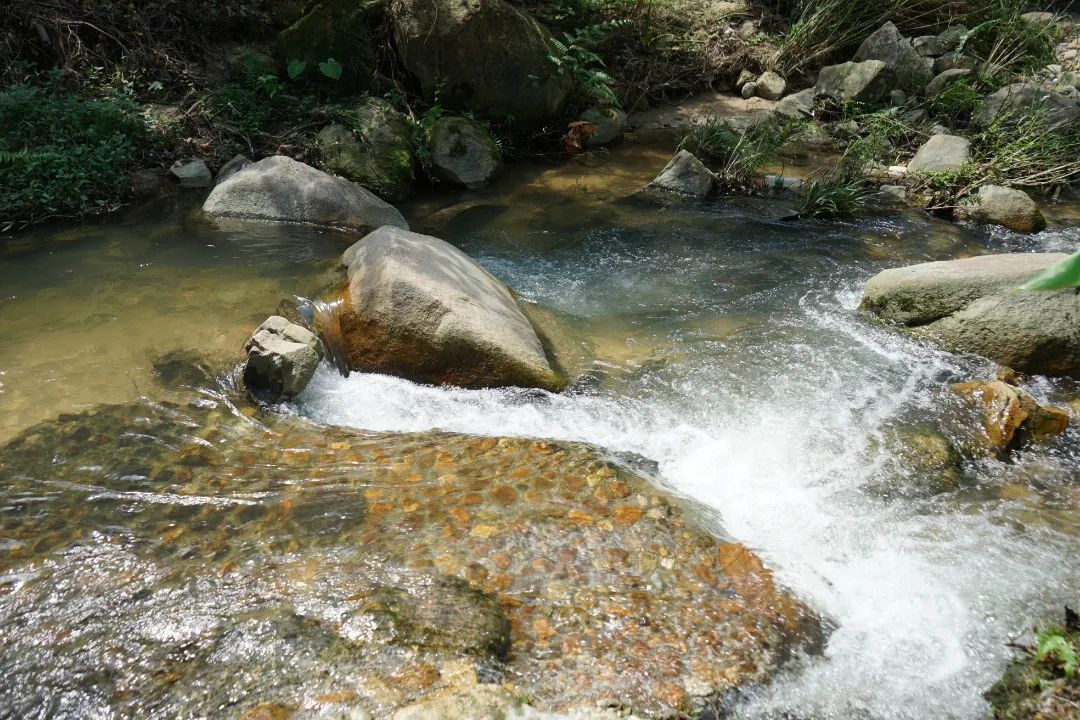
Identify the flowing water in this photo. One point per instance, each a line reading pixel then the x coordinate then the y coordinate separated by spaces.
pixel 716 341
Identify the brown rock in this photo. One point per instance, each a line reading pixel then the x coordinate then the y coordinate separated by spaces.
pixel 1011 416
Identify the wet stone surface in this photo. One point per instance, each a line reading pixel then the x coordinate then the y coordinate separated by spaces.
pixel 162 560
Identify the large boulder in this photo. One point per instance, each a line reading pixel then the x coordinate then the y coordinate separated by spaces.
pixel 1023 99
pixel 345 30
pixel 281 359
pixel 901 59
pixel 279 188
pixel 463 153
pixel 997 205
pixel 973 305
pixel 685 175
pixel 866 82
pixel 941 153
pixel 484 55
pixel 420 308
pixel 378 154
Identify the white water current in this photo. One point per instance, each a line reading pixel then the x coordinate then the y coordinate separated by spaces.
pixel 775 419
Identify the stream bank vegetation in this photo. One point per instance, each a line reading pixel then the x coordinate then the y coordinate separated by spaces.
pixel 1043 683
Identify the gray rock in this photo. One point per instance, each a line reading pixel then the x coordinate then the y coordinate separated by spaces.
pixel 889 46
pixel 916 116
pixel 770 86
pixel 463 153
pixel 1040 18
pixel 485 55
pixel 941 153
pixel 685 175
pixel 745 76
pixel 610 125
pixel 893 194
pixel 191 173
pixel 279 188
pixel 952 61
pixel 281 359
pixel 797 106
pixel 749 90
pixel 972 305
pixel 867 81
pixel 378 155
pixel 950 38
pixel 146 182
pixel 1022 99
pixel 944 79
pixel 928 46
pixel 898 98
pixel 997 205
pixel 419 308
pixel 233 166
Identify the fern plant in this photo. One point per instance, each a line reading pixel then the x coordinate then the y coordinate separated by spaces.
pixel 574 55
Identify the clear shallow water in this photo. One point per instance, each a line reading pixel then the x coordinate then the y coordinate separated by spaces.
pixel 719 343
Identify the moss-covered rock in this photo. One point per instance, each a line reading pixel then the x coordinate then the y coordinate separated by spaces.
pixel 338 29
pixel 377 153
pixel 463 153
pixel 481 54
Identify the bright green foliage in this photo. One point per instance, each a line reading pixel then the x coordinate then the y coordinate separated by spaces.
pixel 955 103
pixel 331 68
pixel 1065 274
pixel 1005 42
pixel 1054 644
pixel 295 68
pixel 833 198
pixel 737 156
pixel 575 55
pixel 64 155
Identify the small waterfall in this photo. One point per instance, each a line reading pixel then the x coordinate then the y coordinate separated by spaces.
pixel 325 319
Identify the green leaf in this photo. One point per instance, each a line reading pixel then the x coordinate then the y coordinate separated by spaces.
pixel 1064 274
pixel 295 68
pixel 331 68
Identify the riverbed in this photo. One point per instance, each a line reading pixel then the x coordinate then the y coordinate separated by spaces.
pixel 718 341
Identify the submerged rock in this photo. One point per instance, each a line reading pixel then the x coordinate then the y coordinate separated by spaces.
pixel 866 82
pixel 997 205
pixel 973 305
pixel 419 308
pixel 365 572
pixel 378 155
pixel 279 188
pixel 1010 416
pixel 941 153
pixel 485 55
pixel 463 153
pixel 685 175
pixel 281 359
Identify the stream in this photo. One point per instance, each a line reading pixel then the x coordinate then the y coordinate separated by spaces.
pixel 715 341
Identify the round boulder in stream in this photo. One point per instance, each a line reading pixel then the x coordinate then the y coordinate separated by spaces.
pixel 171 559
pixel 419 308
pixel 973 305
pixel 281 189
